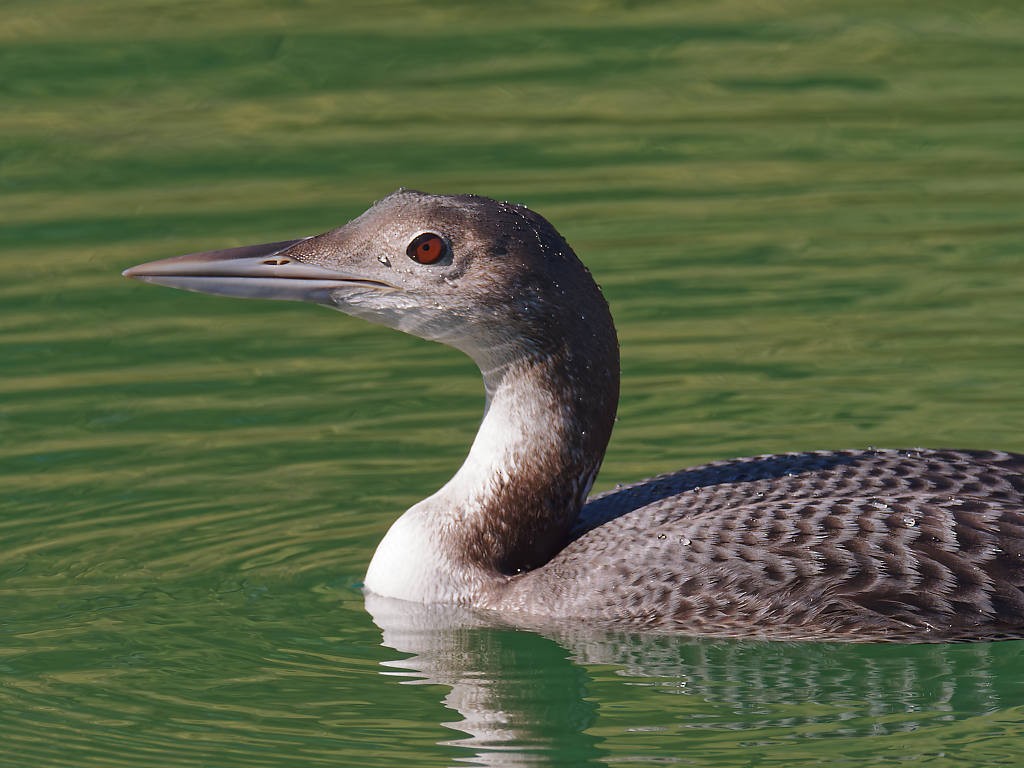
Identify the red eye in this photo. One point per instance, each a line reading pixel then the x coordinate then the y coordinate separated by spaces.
pixel 427 248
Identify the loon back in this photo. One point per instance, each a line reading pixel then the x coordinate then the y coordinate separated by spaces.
pixel 853 545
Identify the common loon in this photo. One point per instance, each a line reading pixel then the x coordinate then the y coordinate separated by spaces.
pixel 917 545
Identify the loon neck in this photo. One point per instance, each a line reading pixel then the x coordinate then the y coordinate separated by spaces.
pixel 509 508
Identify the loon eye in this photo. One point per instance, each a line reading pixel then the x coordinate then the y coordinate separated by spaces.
pixel 427 248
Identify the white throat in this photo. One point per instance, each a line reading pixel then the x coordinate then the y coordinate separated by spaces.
pixel 420 559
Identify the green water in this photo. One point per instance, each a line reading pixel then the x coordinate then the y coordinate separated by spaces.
pixel 808 219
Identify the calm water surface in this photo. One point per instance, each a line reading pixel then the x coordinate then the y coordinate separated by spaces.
pixel 808 219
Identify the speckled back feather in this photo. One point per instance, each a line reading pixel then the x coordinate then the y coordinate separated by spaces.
pixel 866 545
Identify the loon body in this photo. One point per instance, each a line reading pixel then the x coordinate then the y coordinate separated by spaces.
pixel 858 545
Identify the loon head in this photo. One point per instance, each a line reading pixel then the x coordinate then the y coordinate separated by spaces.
pixel 490 278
